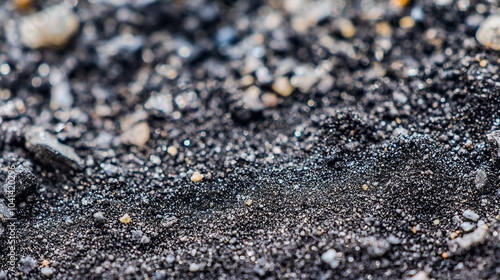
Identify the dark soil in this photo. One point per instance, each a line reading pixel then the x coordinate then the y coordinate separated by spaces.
pixel 386 145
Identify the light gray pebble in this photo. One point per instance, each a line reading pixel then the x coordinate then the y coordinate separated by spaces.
pixel 471 215
pixel 421 275
pixel 330 257
pixel 194 267
pixel 145 239
pixel 122 44
pixel 494 139
pixel 5 212
pixel 27 264
pixel 170 258
pixel 130 270
pixel 481 223
pixel 376 247
pixel 99 217
pixel 481 179
pixel 466 226
pixel 60 93
pixel 467 241
pixel 393 240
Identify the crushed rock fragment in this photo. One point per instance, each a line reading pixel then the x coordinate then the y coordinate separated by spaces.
pixel 137 135
pixel 52 27
pixel 461 244
pixel 488 33
pixel 197 177
pixel 125 219
pixel 421 275
pixel 331 257
pixel 494 139
pixel 47 149
pixel 376 247
pixel 471 215
pixel 480 180
pixel 25 182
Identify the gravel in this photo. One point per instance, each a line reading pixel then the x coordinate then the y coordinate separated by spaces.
pixel 461 244
pixel 51 27
pixel 47 271
pixel 279 134
pixel 471 215
pixel 47 149
pixel 330 257
pixel 488 33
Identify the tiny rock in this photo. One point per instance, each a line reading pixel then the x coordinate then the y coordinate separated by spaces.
pixel 480 180
pixel 471 215
pixel 25 182
pixel 468 241
pixel 172 150
pixel 194 267
pixel 377 247
pixel 137 135
pixel 330 257
pixel 122 44
pixel 99 217
pixel 197 177
pixel 399 3
pixel 125 219
pixel 27 264
pixel 52 27
pixel 494 139
pixel 488 33
pixel 47 149
pixel 60 93
pixel 421 275
pixel 270 100
pixel 282 86
pixel 466 226
pixel 346 28
pixel 47 271
pixel 251 99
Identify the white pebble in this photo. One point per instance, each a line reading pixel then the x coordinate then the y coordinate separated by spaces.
pixel 52 27
pixel 421 275
pixel 471 215
pixel 330 257
pixel 194 267
pixel 466 226
pixel 468 240
pixel 488 33
pixel 47 271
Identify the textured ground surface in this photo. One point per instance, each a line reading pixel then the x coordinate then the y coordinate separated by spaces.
pixel 369 163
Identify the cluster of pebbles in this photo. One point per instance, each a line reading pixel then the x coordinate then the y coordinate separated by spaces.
pixel 251 139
